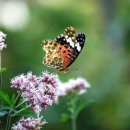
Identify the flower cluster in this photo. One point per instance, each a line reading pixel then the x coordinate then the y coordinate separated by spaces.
pixel 38 91
pixel 2 39
pixel 78 86
pixel 29 124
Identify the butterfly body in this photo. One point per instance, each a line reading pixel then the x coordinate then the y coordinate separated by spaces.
pixel 62 52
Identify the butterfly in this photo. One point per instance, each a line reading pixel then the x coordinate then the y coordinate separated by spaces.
pixel 63 50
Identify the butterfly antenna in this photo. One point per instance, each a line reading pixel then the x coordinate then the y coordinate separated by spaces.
pixel 77 70
pixel 74 69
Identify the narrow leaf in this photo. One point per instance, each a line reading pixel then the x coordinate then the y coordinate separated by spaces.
pixel 5 98
pixel 27 113
pixel 13 99
pixel 24 112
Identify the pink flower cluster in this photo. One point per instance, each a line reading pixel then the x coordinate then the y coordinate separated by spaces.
pixel 2 39
pixel 29 124
pixel 77 86
pixel 38 91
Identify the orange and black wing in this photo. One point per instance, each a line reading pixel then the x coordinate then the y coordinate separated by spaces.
pixel 70 46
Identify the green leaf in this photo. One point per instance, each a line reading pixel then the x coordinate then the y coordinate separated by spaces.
pixel 2 70
pixel 24 112
pixel 27 113
pixel 13 99
pixel 5 98
pixel 83 106
pixel 65 117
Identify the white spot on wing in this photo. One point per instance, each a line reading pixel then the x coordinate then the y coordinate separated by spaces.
pixel 77 45
pixel 66 36
pixel 69 40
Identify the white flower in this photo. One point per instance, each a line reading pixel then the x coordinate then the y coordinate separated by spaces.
pixel 2 39
pixel 29 124
pixel 38 91
pixel 78 85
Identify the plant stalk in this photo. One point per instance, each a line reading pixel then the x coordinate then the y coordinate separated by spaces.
pixel 73 122
pixel 9 114
pixel 8 120
pixel 0 71
pixel 73 115
pixel 20 104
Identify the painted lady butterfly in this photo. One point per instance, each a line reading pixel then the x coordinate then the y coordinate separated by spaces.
pixel 62 52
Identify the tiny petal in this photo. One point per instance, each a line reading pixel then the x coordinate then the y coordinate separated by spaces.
pixel 48 78
pixel 79 85
pixel 2 39
pixel 18 81
pixel 29 124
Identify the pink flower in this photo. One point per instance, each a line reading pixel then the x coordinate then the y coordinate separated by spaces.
pixel 18 81
pixel 2 39
pixel 77 86
pixel 51 79
pixel 29 124
pixel 38 91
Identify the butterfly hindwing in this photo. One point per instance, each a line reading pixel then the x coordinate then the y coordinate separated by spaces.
pixel 52 57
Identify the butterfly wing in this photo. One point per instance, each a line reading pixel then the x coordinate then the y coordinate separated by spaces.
pixel 62 52
pixel 52 58
pixel 71 46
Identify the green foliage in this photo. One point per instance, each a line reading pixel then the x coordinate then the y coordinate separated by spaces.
pixel 13 107
pixel 26 112
pixel 8 103
pixel 4 98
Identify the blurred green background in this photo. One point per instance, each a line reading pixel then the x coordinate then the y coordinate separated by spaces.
pixel 104 61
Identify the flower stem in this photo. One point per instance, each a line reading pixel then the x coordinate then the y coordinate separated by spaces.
pixel 8 123
pixel 16 101
pixel 0 71
pixel 73 114
pixel 73 121
pixel 8 120
pixel 17 112
pixel 20 104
